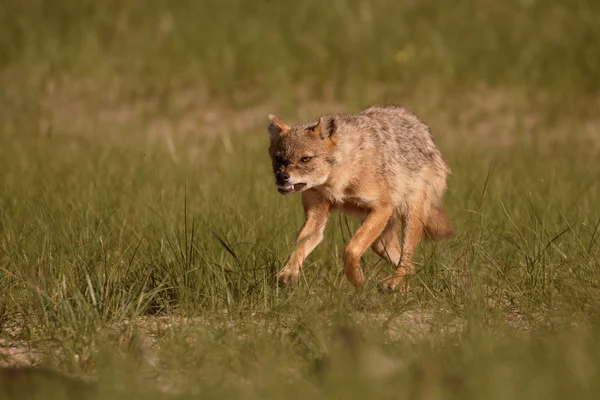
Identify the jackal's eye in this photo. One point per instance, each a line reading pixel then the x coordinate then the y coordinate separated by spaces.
pixel 279 160
pixel 306 159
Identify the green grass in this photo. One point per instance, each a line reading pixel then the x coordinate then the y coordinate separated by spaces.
pixel 350 50
pixel 98 233
pixel 140 230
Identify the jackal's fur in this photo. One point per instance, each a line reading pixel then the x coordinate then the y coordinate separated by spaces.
pixel 380 165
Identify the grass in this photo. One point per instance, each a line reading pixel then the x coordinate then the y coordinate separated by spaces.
pixel 140 230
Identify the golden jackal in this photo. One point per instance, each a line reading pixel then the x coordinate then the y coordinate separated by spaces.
pixel 381 165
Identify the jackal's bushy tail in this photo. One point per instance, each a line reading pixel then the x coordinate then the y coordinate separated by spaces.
pixel 437 225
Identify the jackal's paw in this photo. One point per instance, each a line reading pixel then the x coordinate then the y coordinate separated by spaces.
pixel 288 274
pixel 393 282
pixel 354 275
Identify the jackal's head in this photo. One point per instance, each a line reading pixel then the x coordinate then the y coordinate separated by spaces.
pixel 302 155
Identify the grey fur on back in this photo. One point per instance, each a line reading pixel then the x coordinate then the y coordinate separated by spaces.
pixel 397 133
pixel 397 146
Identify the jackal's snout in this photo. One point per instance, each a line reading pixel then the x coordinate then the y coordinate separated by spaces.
pixel 282 178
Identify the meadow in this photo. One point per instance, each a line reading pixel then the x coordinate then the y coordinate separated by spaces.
pixel 141 230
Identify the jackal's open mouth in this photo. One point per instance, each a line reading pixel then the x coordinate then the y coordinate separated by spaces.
pixel 288 189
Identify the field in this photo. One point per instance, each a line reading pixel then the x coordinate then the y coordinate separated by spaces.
pixel 141 232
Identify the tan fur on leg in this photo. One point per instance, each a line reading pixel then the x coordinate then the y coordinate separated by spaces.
pixel 317 212
pixel 387 245
pixel 412 231
pixel 368 232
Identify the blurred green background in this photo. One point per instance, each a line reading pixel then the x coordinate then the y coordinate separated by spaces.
pixel 256 51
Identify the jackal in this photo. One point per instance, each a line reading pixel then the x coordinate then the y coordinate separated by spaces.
pixel 380 165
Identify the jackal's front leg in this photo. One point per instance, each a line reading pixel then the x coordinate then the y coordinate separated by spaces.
pixel 368 232
pixel 316 210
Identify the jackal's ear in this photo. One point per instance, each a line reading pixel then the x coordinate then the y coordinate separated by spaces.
pixel 277 127
pixel 324 127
